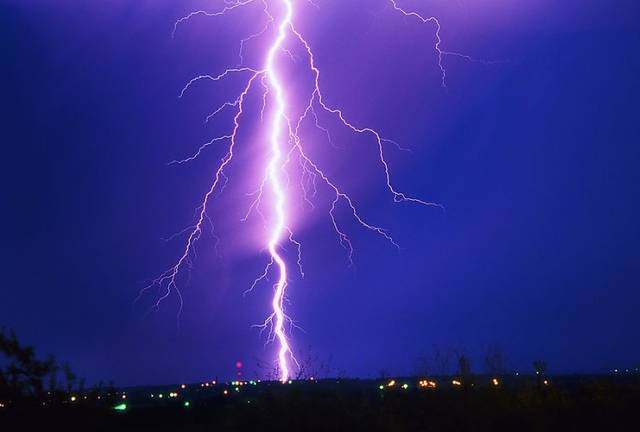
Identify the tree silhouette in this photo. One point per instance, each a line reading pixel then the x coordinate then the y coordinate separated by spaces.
pixel 464 366
pixel 22 375
pixel 494 361
pixel 69 376
pixel 438 362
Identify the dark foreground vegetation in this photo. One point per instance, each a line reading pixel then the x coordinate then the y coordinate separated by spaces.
pixel 520 404
pixel 42 395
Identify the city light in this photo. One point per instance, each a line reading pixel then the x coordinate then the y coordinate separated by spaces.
pixel 427 384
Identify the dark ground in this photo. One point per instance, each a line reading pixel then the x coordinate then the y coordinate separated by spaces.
pixel 566 403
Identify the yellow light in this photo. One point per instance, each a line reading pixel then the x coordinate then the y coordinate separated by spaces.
pixel 405 386
pixel 495 381
pixel 546 382
pixel 391 383
pixel 427 383
pixel 73 398
pixel 456 383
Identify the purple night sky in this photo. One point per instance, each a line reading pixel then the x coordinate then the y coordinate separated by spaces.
pixel 534 158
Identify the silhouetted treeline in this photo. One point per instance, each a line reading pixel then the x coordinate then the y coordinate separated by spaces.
pixel 603 403
pixel 25 379
pixel 448 395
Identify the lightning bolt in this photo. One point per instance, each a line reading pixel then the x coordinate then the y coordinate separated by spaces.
pixel 287 146
pixel 273 172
